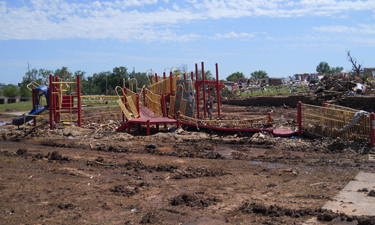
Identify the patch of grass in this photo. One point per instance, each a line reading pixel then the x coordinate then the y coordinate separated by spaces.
pixel 19 106
pixel 277 90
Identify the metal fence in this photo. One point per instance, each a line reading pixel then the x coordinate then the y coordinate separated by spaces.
pixel 335 121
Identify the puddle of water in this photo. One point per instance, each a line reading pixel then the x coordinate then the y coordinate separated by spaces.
pixel 225 152
pixel 338 221
pixel 165 149
pixel 268 165
pixel 258 151
pixel 5 123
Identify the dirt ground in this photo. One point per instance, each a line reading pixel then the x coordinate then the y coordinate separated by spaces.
pixel 93 175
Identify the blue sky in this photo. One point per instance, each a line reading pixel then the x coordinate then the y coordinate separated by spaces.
pixel 282 37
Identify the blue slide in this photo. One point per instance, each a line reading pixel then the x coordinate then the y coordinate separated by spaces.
pixel 30 116
pixel 40 91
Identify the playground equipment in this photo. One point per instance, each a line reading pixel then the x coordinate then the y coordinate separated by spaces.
pixel 175 99
pixel 180 97
pixel 37 93
pixel 65 99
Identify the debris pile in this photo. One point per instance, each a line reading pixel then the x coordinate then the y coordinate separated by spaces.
pixel 334 87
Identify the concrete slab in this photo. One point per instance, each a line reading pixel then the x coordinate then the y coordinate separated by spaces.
pixel 352 202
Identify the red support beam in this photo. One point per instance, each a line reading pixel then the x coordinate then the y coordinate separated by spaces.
pixel 197 89
pixel 299 119
pixel 164 105
pixel 50 102
pixel 137 103
pixel 218 96
pixel 192 76
pixel 148 127
pixel 171 82
pixel 204 93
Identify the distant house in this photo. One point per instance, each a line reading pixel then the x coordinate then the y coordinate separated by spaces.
pixel 5 100
pixel 370 71
pixel 229 85
pixel 271 81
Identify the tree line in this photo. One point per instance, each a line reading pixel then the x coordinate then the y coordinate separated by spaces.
pixel 105 82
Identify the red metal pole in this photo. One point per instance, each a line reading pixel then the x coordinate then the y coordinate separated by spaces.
pixel 299 119
pixel 79 101
pixel 33 98
pixel 197 88
pixel 184 76
pixel 171 82
pixel 138 103
pixel 372 129
pixel 50 102
pixel 56 99
pixel 178 124
pixel 156 78
pixel 148 127
pixel 164 105
pixel 192 76
pixel 218 90
pixel 204 93
pixel 164 75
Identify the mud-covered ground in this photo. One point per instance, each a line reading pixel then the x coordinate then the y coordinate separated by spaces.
pixel 93 175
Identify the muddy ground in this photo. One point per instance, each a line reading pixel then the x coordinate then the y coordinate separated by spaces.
pixel 93 175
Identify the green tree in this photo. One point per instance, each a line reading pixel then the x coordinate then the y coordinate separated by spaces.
pixel 11 91
pixel 101 80
pixel 142 79
pixel 63 73
pixel 207 75
pixel 235 76
pixel 259 74
pixel 336 69
pixel 323 67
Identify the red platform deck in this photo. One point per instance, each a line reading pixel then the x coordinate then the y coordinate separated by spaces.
pixel 148 117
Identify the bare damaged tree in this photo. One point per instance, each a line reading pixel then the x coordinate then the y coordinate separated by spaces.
pixel 356 68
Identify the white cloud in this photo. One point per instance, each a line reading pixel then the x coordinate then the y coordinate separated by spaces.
pixel 233 35
pixel 361 29
pixel 175 7
pixel 130 20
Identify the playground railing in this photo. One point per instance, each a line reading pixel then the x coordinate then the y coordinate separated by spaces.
pixel 335 121
pixel 131 94
pixel 94 102
pixel 153 101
